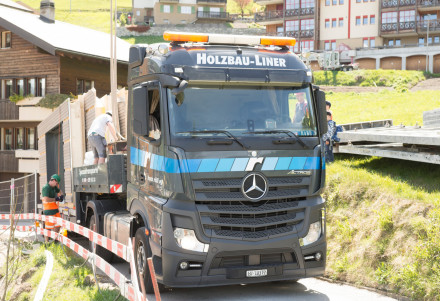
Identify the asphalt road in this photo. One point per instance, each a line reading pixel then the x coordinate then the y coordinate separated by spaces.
pixel 306 289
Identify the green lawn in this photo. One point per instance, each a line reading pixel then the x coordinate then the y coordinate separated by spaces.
pixel 92 14
pixel 406 108
pixel 144 39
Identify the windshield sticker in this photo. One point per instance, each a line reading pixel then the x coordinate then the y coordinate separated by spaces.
pixel 232 60
pixel 306 133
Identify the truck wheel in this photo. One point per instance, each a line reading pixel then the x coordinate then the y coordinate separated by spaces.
pixel 100 251
pixel 142 252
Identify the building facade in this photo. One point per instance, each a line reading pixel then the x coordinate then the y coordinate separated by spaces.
pixel 376 29
pixel 180 11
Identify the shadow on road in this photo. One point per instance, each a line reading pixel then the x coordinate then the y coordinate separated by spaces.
pixel 283 290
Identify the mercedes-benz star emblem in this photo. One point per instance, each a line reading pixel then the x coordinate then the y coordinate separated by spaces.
pixel 254 186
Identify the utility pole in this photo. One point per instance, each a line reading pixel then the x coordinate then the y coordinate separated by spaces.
pixel 427 42
pixel 113 65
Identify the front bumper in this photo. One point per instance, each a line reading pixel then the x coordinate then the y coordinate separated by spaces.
pixel 228 260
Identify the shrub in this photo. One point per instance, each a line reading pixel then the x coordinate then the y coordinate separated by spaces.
pixel 52 101
pixel 123 19
pixel 17 97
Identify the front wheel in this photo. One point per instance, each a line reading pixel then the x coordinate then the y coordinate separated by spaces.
pixel 142 252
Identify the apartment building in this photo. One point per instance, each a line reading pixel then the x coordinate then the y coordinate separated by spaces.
pixel 180 11
pixel 388 34
pixel 292 18
pixel 353 24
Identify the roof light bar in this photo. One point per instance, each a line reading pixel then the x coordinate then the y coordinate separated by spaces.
pixel 228 39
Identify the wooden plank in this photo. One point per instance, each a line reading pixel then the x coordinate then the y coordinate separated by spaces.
pixel 78 132
pixel 395 134
pixel 431 118
pixel 392 150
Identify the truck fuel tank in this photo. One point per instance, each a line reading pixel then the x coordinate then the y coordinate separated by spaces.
pixel 117 226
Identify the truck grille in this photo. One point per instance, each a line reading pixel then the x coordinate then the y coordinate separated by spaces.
pixel 225 212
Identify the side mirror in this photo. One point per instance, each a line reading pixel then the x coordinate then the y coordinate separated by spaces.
pixel 322 111
pixel 140 110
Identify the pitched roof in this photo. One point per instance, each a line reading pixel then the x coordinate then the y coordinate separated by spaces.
pixel 12 4
pixel 60 36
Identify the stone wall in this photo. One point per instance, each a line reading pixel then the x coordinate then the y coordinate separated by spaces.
pixel 158 30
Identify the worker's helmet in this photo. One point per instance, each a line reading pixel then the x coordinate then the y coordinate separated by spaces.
pixel 109 113
pixel 56 178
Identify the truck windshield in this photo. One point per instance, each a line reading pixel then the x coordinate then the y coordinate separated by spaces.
pixel 242 111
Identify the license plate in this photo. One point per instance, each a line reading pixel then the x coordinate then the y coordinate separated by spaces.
pixel 256 273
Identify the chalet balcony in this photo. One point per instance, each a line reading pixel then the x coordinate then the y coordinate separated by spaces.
pixel 8 110
pixel 212 1
pixel 212 15
pixel 398 28
pixel 300 12
pixel 269 16
pixel 434 26
pixel 308 33
pixel 427 5
pixel 398 3
pixel 8 161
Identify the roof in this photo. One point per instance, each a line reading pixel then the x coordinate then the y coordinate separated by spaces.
pixel 12 4
pixel 60 36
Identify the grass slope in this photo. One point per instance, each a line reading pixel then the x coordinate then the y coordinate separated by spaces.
pixel 68 280
pixel 383 225
pixel 399 79
pixel 406 108
pixel 92 14
pixel 383 222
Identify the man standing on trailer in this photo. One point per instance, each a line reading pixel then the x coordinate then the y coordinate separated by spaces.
pixel 96 136
pixel 51 194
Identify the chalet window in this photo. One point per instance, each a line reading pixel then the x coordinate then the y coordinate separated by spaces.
pixel 9 88
pixel 83 85
pixel 8 139
pixel 6 39
pixel 30 138
pixel 41 87
pixel 19 138
pixel 19 87
pixel 31 86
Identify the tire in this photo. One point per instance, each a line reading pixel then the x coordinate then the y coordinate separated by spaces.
pixel 100 251
pixel 142 251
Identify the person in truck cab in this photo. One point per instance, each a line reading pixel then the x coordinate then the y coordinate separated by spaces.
pixel 300 108
pixel 96 136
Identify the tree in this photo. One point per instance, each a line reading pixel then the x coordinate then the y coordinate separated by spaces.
pixel 242 4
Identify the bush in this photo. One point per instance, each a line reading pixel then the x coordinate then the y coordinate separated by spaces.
pixel 123 19
pixel 401 80
pixel 17 97
pixel 52 101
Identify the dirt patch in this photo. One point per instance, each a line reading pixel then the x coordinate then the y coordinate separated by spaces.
pixel 355 89
pixel 429 84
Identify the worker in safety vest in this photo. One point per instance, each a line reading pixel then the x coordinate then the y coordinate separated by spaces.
pixel 51 194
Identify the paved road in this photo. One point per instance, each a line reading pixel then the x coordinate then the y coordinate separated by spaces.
pixel 305 290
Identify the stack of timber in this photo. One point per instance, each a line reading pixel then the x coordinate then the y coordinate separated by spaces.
pixel 414 143
pixel 62 142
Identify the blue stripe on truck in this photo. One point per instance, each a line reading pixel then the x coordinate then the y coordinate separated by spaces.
pixel 169 165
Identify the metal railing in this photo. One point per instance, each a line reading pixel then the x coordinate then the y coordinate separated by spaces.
pixel 429 3
pixel 19 195
pixel 212 15
pixel 212 1
pixel 388 27
pixel 434 25
pixel 308 33
pixel 269 15
pixel 397 3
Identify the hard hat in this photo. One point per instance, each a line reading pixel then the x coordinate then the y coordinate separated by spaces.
pixel 56 178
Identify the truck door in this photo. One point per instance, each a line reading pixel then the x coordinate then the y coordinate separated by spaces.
pixel 150 174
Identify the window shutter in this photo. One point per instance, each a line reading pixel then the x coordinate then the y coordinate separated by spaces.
pixel 161 8
pixel 206 9
pixel 178 9
pixel 171 8
pixel 221 9
pixel 193 9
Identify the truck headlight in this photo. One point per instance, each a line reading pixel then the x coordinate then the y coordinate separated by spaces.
pixel 186 239
pixel 314 234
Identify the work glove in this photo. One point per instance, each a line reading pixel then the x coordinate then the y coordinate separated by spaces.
pixel 60 198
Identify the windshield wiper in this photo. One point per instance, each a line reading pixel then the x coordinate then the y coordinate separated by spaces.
pixel 287 132
pixel 216 132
